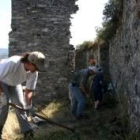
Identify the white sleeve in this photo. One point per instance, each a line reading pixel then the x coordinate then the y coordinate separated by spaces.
pixel 5 69
pixel 31 80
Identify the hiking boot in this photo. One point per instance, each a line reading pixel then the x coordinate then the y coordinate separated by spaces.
pixel 79 117
pixel 98 107
pixel 29 134
pixel 84 116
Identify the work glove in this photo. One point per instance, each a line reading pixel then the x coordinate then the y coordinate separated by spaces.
pixel 29 110
pixel 3 100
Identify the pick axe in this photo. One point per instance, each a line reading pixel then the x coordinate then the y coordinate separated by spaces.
pixel 44 118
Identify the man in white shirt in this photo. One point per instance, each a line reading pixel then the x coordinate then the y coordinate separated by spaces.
pixel 13 72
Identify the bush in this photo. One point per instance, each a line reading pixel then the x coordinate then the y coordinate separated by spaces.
pixel 112 20
pixel 84 45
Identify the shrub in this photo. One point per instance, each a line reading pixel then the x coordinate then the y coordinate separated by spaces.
pixel 112 20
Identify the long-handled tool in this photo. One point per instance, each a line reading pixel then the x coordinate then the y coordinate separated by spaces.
pixel 46 119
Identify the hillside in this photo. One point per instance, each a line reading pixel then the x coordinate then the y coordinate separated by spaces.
pixel 3 53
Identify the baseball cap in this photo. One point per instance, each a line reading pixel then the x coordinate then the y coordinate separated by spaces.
pixel 96 69
pixel 93 68
pixel 38 59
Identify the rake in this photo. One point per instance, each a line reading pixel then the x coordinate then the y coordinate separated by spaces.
pixel 44 118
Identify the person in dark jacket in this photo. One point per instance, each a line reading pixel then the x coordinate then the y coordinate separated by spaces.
pixel 97 89
pixel 96 82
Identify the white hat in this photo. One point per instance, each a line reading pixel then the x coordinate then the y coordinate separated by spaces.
pixel 38 59
pixel 93 68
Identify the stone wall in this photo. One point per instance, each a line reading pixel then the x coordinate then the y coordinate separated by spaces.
pixel 81 58
pixel 43 25
pixel 125 60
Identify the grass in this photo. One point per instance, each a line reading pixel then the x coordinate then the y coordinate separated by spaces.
pixel 104 124
pixel 58 135
pixel 11 129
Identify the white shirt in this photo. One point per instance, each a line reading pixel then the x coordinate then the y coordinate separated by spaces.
pixel 12 72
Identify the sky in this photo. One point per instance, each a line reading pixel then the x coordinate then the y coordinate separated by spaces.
pixel 88 17
pixel 85 21
pixel 5 22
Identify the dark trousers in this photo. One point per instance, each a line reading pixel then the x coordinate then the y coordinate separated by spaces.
pixel 96 87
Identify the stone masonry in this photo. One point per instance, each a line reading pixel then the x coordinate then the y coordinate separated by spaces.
pixel 125 60
pixel 122 59
pixel 43 25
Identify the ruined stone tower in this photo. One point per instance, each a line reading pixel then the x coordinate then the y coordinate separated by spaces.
pixel 43 25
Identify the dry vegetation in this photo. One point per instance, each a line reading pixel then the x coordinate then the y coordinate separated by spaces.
pixel 104 124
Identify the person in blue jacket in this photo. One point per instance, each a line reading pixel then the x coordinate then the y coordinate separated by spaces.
pixel 78 90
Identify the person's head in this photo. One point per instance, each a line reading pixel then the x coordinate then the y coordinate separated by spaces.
pixel 93 70
pixel 91 60
pixel 34 61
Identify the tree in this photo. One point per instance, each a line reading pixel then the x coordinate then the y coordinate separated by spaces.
pixel 84 45
pixel 112 20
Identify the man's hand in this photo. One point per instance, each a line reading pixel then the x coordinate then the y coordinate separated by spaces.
pixel 28 107
pixel 29 110
pixel 84 90
pixel 1 89
pixel 28 97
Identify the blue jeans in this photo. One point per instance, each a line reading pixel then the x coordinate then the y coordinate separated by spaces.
pixel 78 100
pixel 15 94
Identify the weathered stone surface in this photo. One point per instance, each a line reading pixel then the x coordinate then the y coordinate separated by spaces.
pixel 124 60
pixel 43 25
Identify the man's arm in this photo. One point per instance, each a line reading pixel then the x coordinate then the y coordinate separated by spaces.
pixel 84 89
pixel 28 94
pixel 83 84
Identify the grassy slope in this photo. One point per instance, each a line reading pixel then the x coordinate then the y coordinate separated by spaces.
pixel 105 124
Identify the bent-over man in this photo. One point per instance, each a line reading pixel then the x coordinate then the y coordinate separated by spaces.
pixel 78 90
pixel 13 72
